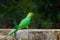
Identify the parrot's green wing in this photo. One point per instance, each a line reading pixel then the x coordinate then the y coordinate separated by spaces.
pixel 24 23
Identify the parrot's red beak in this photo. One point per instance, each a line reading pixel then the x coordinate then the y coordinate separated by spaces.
pixel 32 14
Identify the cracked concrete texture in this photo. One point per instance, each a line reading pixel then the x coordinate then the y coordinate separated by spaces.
pixel 31 34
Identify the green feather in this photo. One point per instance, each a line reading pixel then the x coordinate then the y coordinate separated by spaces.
pixel 12 32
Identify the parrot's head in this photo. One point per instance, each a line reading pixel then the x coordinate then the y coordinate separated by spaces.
pixel 30 14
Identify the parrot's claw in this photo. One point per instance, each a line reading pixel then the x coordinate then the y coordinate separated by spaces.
pixel 27 27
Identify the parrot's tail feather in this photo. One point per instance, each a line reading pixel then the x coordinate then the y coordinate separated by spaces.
pixel 12 32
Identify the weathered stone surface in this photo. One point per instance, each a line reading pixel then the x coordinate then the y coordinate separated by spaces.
pixel 36 35
pixel 11 38
pixel 31 34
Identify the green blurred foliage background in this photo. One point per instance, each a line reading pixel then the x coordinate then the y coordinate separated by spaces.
pixel 47 13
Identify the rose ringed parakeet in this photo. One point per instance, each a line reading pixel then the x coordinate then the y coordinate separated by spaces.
pixel 23 24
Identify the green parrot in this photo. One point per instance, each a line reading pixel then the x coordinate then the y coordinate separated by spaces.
pixel 23 24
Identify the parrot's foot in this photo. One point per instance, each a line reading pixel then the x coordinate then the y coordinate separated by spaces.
pixel 27 27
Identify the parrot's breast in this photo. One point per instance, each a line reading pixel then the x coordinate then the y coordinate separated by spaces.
pixel 25 22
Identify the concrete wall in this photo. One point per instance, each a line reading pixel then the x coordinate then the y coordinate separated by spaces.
pixel 31 34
